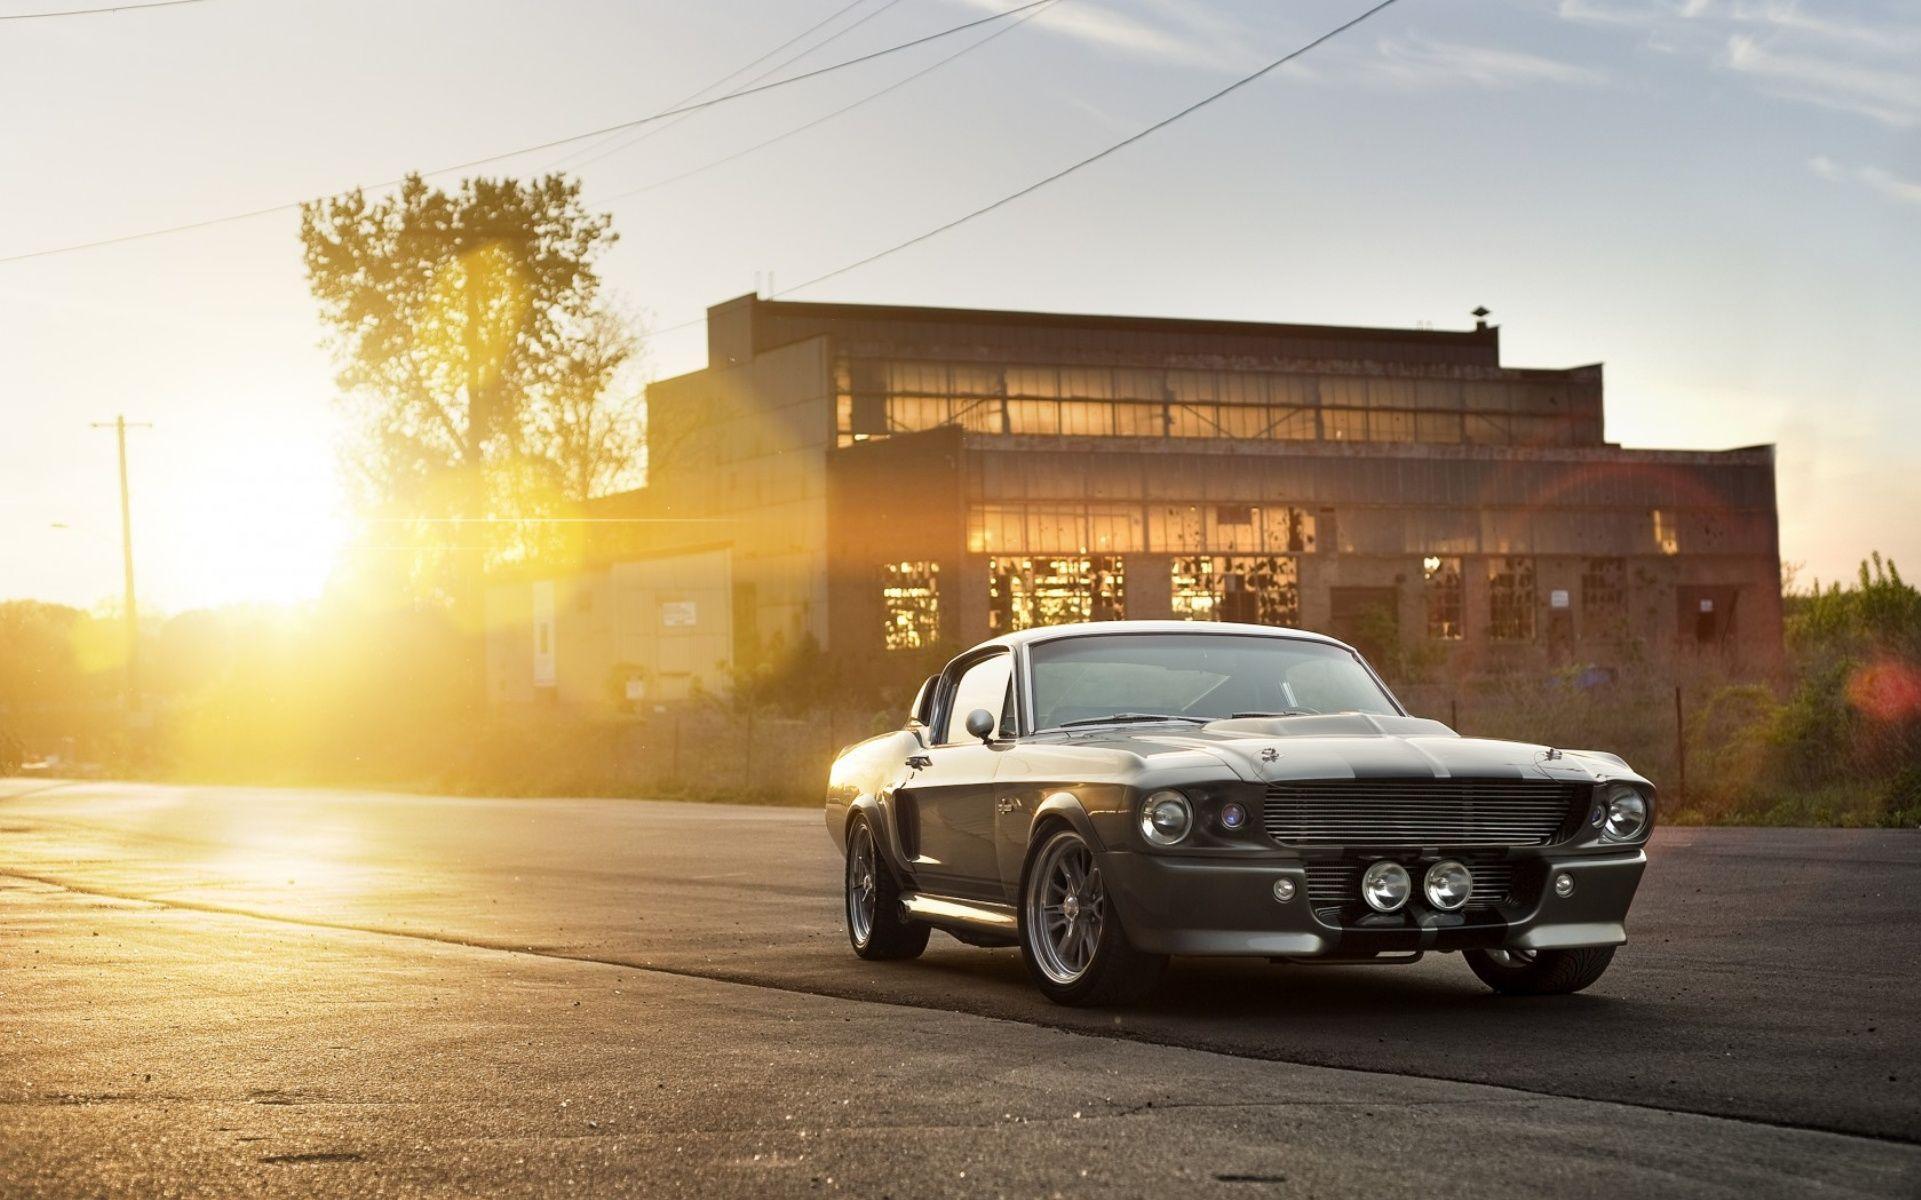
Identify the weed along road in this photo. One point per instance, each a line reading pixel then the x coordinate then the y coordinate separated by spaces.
pixel 204 990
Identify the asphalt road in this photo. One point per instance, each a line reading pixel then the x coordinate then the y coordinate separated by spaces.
pixel 207 991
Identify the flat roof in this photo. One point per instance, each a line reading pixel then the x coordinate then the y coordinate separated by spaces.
pixel 750 325
pixel 1129 324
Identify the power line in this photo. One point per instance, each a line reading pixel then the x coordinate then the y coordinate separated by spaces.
pixel 1030 189
pixel 547 145
pixel 94 12
pixel 1036 186
pixel 643 135
pixel 829 19
pixel 822 120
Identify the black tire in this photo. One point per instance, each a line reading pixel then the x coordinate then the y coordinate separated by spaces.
pixel 885 932
pixel 1541 973
pixel 1116 973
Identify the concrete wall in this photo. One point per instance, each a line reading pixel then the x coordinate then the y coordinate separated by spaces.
pixel 738 456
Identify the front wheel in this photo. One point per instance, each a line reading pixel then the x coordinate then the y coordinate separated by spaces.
pixel 1540 972
pixel 1070 936
pixel 876 924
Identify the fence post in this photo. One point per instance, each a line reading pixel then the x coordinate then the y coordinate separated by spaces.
pixel 673 759
pixel 1680 744
pixel 749 772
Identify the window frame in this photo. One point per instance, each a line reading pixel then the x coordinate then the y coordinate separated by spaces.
pixel 1024 675
pixel 950 683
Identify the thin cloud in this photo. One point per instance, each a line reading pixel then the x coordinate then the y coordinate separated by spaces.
pixel 1878 180
pixel 1826 167
pixel 1106 29
pixel 1421 62
pixel 1891 97
pixel 1596 12
pixel 1786 50
pixel 1903 191
pixel 1876 39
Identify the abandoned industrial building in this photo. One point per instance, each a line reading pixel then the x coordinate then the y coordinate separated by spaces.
pixel 885 481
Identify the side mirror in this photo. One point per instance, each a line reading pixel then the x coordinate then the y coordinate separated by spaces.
pixel 982 724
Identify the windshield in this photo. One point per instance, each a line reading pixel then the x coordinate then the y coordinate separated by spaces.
pixel 1196 675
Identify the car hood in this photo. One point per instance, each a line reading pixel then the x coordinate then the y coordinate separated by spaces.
pixel 1348 746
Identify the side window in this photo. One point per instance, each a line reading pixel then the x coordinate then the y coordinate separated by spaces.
pixel 983 685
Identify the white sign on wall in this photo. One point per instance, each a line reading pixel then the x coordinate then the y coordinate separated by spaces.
pixel 677 614
pixel 1557 598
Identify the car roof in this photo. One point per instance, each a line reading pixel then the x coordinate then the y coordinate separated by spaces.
pixel 1048 633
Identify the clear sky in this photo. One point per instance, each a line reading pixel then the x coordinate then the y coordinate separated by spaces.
pixel 1720 201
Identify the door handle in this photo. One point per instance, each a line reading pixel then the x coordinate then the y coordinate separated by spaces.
pixel 919 762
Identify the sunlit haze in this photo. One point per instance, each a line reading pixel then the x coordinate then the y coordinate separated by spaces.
pixel 1721 202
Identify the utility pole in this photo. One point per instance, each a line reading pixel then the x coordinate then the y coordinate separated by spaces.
pixel 119 425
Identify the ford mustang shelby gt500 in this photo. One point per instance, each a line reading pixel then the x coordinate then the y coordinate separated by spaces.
pixel 1107 795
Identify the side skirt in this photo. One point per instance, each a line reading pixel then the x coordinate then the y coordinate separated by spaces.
pixel 975 922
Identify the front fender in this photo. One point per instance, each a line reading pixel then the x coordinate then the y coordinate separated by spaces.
pixel 1064 806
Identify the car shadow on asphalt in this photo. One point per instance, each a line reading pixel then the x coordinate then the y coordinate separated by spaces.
pixel 1384 998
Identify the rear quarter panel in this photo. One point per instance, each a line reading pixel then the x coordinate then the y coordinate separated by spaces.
pixel 863 777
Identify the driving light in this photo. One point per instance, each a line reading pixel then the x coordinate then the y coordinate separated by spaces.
pixel 1233 816
pixel 1627 817
pixel 1448 885
pixel 1284 890
pixel 1564 885
pixel 1166 818
pixel 1385 886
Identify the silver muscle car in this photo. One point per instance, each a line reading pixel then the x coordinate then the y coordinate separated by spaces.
pixel 1107 795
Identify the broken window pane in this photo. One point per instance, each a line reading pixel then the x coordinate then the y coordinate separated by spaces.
pixel 1604 598
pixel 1025 592
pixel 1666 536
pixel 1251 590
pixel 1441 586
pixel 1510 581
pixel 910 599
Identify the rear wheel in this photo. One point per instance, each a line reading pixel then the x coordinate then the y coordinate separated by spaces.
pixel 1070 936
pixel 1540 972
pixel 876 924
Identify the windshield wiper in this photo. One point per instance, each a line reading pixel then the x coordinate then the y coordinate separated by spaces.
pixel 1285 712
pixel 1119 718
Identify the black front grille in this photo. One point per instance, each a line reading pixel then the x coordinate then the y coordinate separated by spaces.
pixel 1419 812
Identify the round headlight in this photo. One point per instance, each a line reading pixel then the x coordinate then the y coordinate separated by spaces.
pixel 1448 885
pixel 1627 817
pixel 1233 815
pixel 1385 886
pixel 1166 818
